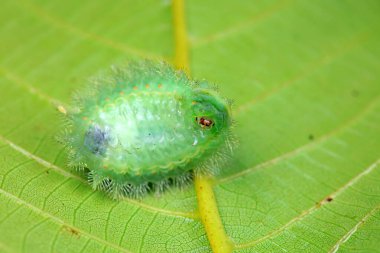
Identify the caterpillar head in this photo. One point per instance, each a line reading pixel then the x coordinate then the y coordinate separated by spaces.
pixel 211 112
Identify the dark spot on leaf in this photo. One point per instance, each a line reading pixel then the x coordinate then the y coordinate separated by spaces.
pixel 311 137
pixel 355 93
pixel 329 199
pixel 72 230
pixel 47 172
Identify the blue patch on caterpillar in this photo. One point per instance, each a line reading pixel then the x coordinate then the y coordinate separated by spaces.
pixel 96 139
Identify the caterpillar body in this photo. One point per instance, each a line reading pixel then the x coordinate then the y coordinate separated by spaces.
pixel 145 127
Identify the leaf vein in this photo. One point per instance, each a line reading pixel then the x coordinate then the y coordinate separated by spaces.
pixel 241 26
pixel 309 211
pixel 346 125
pixel 58 220
pixel 188 215
pixel 57 22
pixel 326 59
pixel 31 89
pixel 348 235
pixel 27 233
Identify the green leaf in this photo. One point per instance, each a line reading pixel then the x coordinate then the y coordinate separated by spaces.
pixel 305 78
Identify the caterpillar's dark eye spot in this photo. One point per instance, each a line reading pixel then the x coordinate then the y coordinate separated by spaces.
pixel 205 122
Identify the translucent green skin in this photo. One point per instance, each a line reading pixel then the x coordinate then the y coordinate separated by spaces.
pixel 141 128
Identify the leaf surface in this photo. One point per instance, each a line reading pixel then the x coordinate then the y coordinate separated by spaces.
pixel 305 80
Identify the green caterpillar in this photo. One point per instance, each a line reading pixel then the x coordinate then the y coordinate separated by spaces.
pixel 145 127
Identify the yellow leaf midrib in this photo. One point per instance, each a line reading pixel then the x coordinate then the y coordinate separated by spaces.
pixel 207 204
